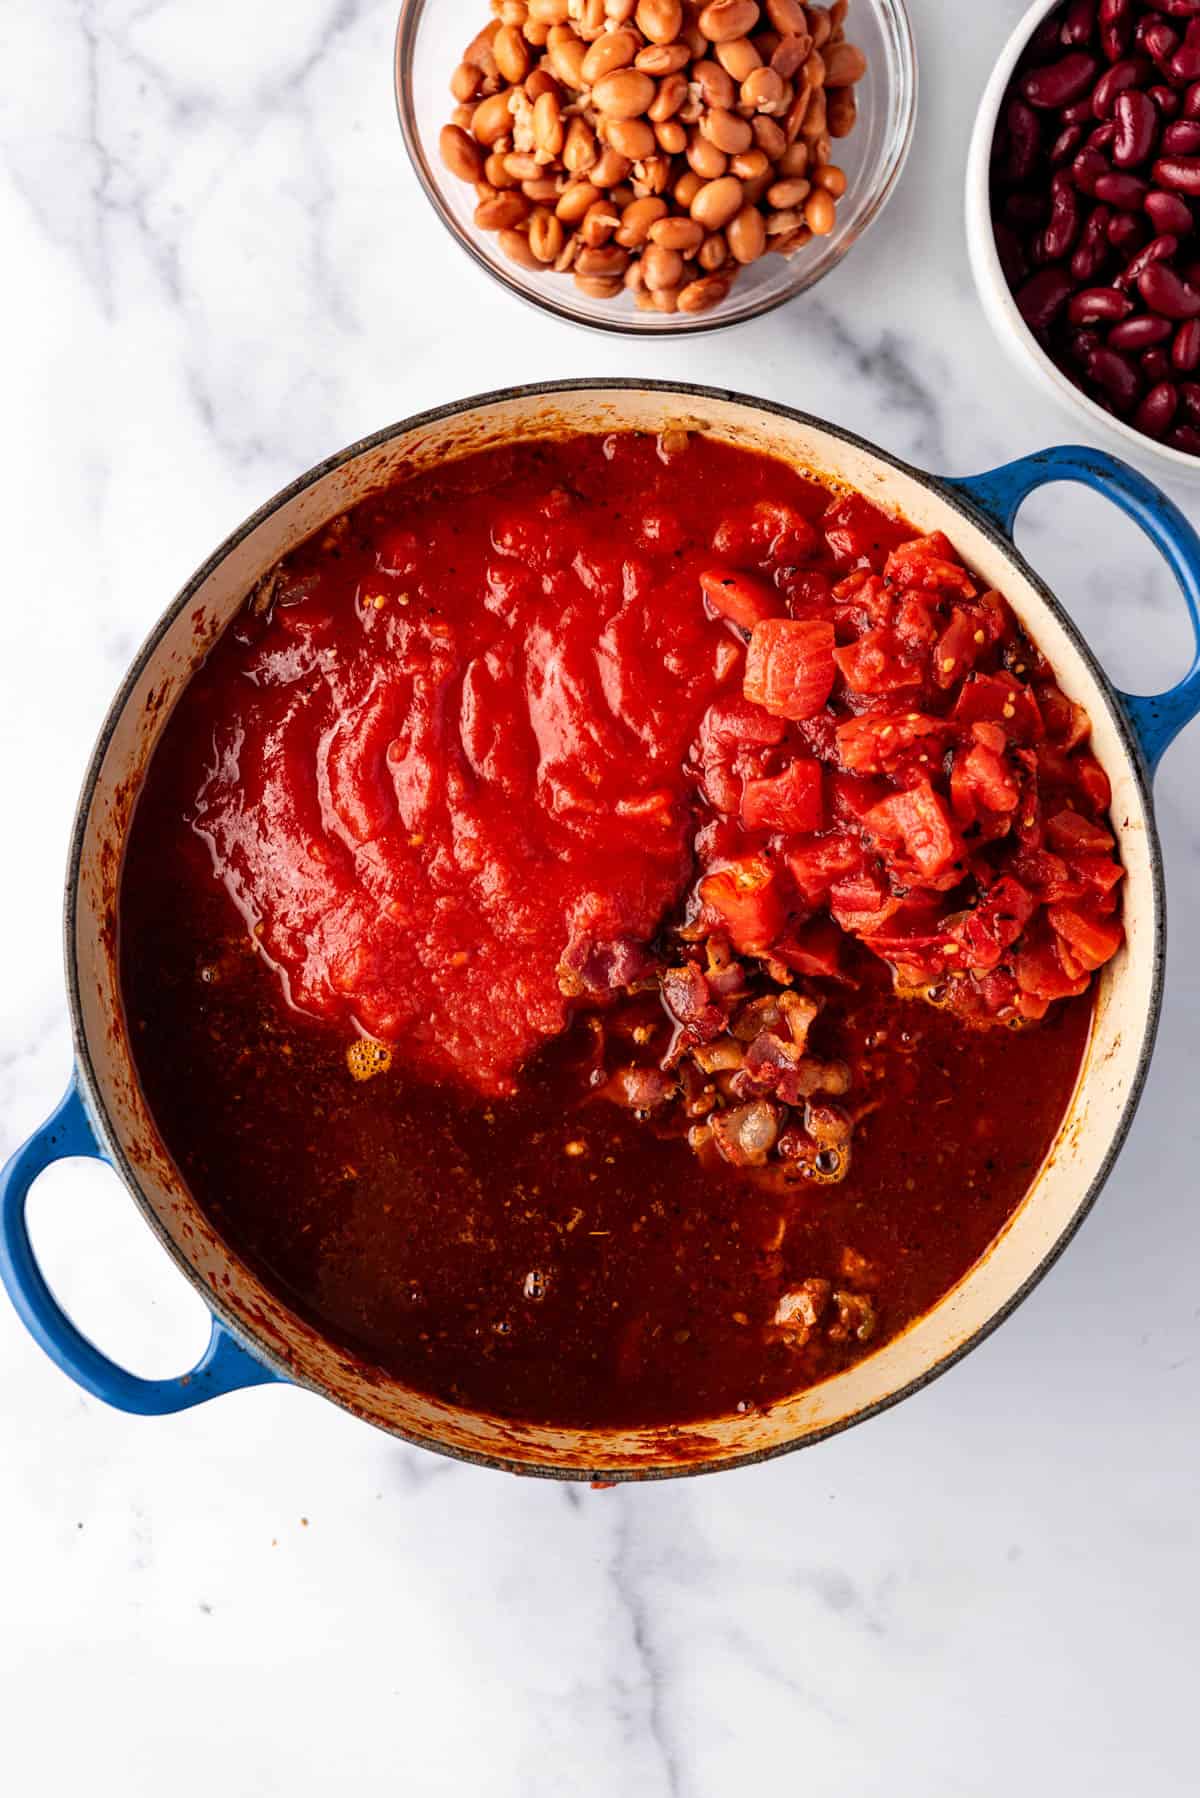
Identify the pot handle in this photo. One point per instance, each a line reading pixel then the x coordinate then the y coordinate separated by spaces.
pixel 1157 718
pixel 225 1365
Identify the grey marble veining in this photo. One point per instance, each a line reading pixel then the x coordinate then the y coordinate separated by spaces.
pixel 219 268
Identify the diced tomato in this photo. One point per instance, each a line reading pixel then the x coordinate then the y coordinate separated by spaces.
pixel 871 744
pixel 1002 700
pixel 996 616
pixel 917 820
pixel 1072 834
pixel 808 593
pixel 742 598
pixel 814 866
pixel 1092 781
pixel 853 796
pixel 789 666
pixel 878 663
pixel 767 531
pixel 916 621
pixel 862 902
pixel 730 733
pixel 1042 977
pixel 1067 724
pixel 791 801
pixel 981 781
pixel 931 563
pixel 994 925
pixel 1099 872
pixel 956 650
pixel 859 534
pixel 1086 940
pixel 745 901
pixel 814 948
pixel 1048 875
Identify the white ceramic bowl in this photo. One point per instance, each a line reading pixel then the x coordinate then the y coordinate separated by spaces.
pixel 1157 459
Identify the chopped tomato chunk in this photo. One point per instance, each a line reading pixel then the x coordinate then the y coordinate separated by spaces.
pixel 814 949
pixel 918 821
pixel 982 781
pixel 957 649
pixel 1003 700
pixel 1092 781
pixel 742 598
pixel 858 533
pixel 789 666
pixel 932 563
pixel 744 900
pixel 1086 940
pixel 814 866
pixel 878 662
pixel 872 743
pixel 768 530
pixel 1066 723
pixel 862 902
pixel 1074 834
pixel 791 801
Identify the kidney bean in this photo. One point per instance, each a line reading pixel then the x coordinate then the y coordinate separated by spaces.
pixel 1099 305
pixel 1024 140
pixel 1062 229
pixel 1103 137
pixel 1126 231
pixel 1079 347
pixel 1118 377
pixel 1185 351
pixel 1043 297
pixel 1159 249
pixel 1167 212
pixel 1189 393
pixel 1155 365
pixel 1159 40
pixel 1045 42
pixel 1116 27
pixel 1067 144
pixel 1011 252
pixel 1126 192
pixel 1166 292
pixel 1079 22
pixel 1026 211
pixel 1144 332
pixel 1181 174
pixel 1088 168
pixel 1137 127
pixel 1157 411
pixel 1185 64
pixel 1058 83
pixel 1191 102
pixel 1166 99
pixel 1182 138
pixel 1093 249
pixel 1185 437
pixel 1131 71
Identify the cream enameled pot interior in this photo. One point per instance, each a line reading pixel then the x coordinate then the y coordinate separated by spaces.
pixel 1107 1089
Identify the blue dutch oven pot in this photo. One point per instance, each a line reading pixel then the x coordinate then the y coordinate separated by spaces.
pixel 255 1338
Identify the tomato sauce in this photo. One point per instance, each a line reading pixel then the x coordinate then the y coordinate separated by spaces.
pixel 469 771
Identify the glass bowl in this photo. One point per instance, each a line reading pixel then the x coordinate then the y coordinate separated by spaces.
pixel 430 38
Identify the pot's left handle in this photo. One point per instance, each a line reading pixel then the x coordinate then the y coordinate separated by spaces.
pixel 225 1365
pixel 1157 718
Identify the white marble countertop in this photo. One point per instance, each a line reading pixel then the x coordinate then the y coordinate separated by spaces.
pixel 218 268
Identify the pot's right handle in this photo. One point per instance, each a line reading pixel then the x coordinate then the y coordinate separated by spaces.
pixel 225 1365
pixel 1157 718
